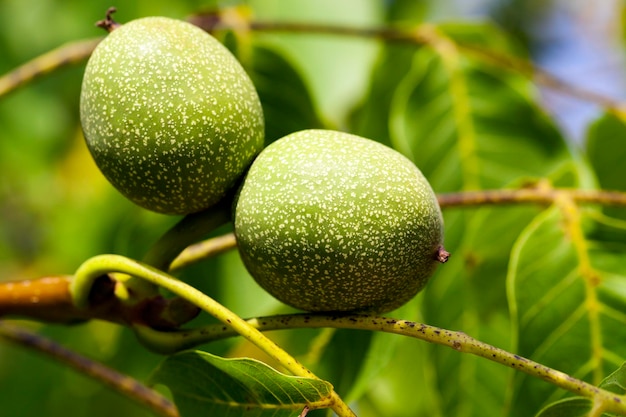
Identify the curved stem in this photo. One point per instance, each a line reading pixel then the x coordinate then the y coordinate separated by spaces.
pixel 459 341
pixel 104 264
pixel 121 383
pixel 187 231
pixel 203 250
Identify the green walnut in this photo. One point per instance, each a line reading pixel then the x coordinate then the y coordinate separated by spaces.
pixel 170 117
pixel 328 221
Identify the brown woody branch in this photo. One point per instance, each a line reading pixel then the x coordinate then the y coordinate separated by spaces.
pixel 232 19
pixel 544 196
pixel 49 300
pixel 121 383
pixel 423 35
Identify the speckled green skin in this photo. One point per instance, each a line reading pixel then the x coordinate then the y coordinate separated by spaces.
pixel 327 221
pixel 169 115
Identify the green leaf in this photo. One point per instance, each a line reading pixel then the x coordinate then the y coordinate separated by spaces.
pixel 566 292
pixel 580 406
pixel 464 122
pixel 371 118
pixel 606 150
pixel 569 407
pixel 206 385
pixel 285 97
pixel 616 382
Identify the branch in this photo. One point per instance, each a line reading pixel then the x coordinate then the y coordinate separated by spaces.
pixel 123 384
pixel 232 19
pixel 539 195
pixel 204 250
pixel 49 300
pixel 66 55
pixel 422 35
pixel 185 339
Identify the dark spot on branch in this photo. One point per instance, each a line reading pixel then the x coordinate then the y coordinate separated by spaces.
pixel 101 290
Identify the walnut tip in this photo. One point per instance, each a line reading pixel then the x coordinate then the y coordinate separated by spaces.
pixel 442 255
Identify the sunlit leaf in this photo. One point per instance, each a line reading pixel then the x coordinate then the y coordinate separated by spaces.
pixel 567 300
pixel 206 385
pixel 465 123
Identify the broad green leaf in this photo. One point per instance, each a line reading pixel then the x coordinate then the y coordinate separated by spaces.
pixel 371 118
pixel 616 382
pixel 469 293
pixel 606 151
pixel 567 298
pixel 580 406
pixel 569 407
pixel 469 125
pixel 336 67
pixel 287 103
pixel 206 385
pixel 464 122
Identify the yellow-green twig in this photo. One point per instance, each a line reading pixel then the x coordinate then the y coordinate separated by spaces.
pixel 203 250
pixel 459 341
pixel 100 265
pixel 65 55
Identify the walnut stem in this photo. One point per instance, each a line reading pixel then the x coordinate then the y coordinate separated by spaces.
pixel 108 23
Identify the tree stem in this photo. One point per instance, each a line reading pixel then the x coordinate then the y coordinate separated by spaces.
pixel 187 231
pixel 184 339
pixel 539 195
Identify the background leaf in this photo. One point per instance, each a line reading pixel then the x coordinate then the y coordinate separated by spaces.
pixel 616 382
pixel 464 123
pixel 569 407
pixel 287 103
pixel 236 387
pixel 566 300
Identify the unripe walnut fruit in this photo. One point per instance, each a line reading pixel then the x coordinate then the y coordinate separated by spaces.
pixel 169 115
pixel 328 221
